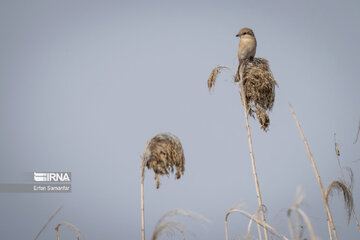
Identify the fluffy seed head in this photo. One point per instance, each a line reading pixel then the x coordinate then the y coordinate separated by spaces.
pixel 213 76
pixel 259 88
pixel 163 154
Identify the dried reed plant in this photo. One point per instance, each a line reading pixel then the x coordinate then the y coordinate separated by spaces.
pixel 47 223
pixel 167 225
pixel 259 89
pixel 185 213
pixel 256 215
pixel 349 184
pixel 262 223
pixel 169 228
pixel 331 225
pixel 348 198
pixel 295 207
pixel 240 73
pixel 213 76
pixel 71 226
pixel 163 153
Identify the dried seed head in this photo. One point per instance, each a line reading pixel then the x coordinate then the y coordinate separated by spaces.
pixel 79 235
pixel 347 194
pixel 167 225
pixel 163 154
pixel 213 76
pixel 259 88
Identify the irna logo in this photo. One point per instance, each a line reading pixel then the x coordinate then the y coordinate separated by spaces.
pixel 52 176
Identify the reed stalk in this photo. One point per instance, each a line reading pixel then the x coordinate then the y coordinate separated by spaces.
pixel 331 225
pixel 163 154
pixel 240 73
pixel 254 218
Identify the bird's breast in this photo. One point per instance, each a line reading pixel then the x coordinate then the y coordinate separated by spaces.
pixel 247 48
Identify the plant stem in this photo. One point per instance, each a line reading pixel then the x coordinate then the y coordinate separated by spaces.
pixel 226 229
pixel 254 218
pixel 240 73
pixel 142 199
pixel 47 223
pixel 328 213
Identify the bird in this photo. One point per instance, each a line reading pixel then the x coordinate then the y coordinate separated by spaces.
pixel 247 45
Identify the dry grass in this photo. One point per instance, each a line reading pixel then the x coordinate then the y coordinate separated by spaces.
pixel 299 212
pixel 348 198
pixel 169 229
pixel 253 217
pixel 256 215
pixel 331 225
pixel 185 213
pixel 259 89
pixel 213 76
pixel 72 227
pixel 169 226
pixel 163 154
pixel 350 183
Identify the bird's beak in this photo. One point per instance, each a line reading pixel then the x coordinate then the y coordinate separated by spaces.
pixel 237 35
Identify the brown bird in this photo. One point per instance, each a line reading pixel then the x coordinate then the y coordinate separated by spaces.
pixel 247 44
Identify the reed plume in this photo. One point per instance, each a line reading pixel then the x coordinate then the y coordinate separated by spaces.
pixel 348 199
pixel 167 225
pixel 259 89
pixel 213 76
pixel 71 226
pixel 163 154
pixel 349 184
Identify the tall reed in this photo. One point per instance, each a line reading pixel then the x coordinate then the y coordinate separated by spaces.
pixel 163 154
pixel 257 92
pixel 326 205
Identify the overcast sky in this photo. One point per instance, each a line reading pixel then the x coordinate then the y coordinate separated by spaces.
pixel 84 85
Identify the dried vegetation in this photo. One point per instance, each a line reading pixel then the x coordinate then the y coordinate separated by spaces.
pixel 259 88
pixel 164 154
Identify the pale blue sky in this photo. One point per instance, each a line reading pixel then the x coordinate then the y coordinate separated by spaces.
pixel 84 85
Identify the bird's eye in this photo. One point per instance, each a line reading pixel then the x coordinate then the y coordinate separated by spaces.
pixel 244 33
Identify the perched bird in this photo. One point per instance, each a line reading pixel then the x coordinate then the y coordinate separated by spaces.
pixel 247 45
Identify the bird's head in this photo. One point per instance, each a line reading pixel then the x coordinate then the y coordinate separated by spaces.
pixel 245 32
